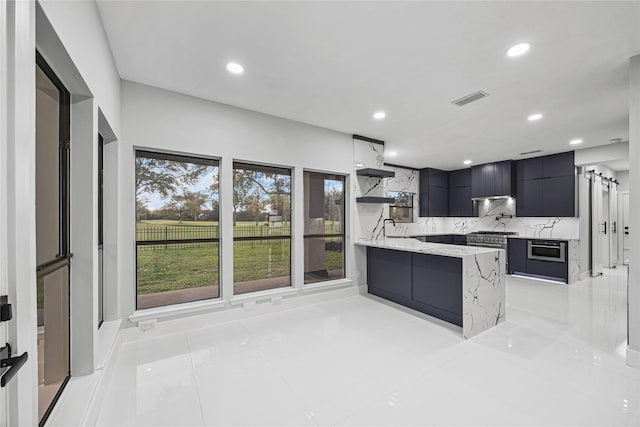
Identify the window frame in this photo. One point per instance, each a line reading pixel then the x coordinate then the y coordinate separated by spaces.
pixel 411 208
pixel 149 152
pixel 273 168
pixel 345 222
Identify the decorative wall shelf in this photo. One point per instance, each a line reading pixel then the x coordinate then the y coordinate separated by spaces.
pixel 372 199
pixel 375 173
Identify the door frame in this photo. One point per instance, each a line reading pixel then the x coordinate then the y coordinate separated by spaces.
pixel 63 259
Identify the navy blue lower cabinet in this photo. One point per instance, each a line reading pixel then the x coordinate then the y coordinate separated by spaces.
pixel 459 239
pixel 437 286
pixel 517 256
pixel 550 269
pixel 389 274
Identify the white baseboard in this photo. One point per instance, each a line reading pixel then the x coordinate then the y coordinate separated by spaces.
pixel 239 312
pixel 585 275
pixel 633 358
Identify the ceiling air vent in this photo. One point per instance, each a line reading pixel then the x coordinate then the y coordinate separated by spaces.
pixel 526 153
pixel 470 98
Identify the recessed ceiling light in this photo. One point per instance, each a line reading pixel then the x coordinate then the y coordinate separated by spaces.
pixel 534 117
pixel 392 153
pixel 235 68
pixel 379 115
pixel 519 49
pixel 467 162
pixel 575 141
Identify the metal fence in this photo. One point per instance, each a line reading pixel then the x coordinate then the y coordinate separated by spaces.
pixel 150 237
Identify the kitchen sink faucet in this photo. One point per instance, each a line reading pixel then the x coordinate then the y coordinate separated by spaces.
pixel 384 228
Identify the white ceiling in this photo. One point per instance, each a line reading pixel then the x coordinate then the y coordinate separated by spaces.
pixel 333 64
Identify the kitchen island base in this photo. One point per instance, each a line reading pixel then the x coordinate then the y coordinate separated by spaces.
pixel 464 289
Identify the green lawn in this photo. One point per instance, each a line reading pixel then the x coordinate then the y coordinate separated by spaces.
pixel 166 267
pixel 169 269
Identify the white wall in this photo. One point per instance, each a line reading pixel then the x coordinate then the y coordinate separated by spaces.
pixel 70 36
pixel 602 154
pixel 633 354
pixel 623 179
pixel 157 119
pixel 79 27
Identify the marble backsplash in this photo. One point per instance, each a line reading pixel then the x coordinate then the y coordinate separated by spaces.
pixel 494 215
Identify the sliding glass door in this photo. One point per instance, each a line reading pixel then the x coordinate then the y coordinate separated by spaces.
pixel 52 235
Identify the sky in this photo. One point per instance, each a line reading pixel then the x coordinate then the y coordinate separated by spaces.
pixel 156 201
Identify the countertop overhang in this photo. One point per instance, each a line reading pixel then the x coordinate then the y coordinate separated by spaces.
pixel 413 245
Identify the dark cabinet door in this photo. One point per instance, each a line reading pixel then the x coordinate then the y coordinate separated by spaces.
pixel 549 269
pixel 507 179
pixel 489 172
pixel 389 272
pixel 460 178
pixel 441 238
pixel 529 169
pixel 517 256
pixel 459 239
pixel 460 204
pixel 558 196
pixel 477 181
pixel 424 192
pixel 557 165
pixel 438 178
pixel 438 201
pixel 437 284
pixel 498 170
pixel 529 198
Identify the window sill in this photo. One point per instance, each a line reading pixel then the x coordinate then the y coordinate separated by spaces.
pixel 175 310
pixel 261 295
pixel 338 283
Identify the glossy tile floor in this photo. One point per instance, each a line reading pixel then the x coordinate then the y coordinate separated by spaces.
pixel 557 360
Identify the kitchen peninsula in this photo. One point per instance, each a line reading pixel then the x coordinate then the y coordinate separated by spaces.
pixel 462 285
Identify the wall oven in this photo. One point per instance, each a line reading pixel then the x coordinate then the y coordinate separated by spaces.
pixel 546 250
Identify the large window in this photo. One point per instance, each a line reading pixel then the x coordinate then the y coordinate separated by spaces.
pixel 323 227
pixel 261 227
pixel 177 234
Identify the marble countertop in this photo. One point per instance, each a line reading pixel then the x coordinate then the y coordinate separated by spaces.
pixel 413 245
pixel 519 236
pixel 389 234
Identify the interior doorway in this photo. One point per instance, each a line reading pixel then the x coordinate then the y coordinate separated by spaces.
pixel 623 214
pixel 53 256
pixel 605 229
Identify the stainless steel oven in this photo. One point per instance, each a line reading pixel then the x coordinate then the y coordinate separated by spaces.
pixel 546 250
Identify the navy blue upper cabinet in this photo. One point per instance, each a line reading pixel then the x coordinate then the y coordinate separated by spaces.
pixel 529 168
pixel 460 203
pixel 562 164
pixel 558 196
pixel 434 192
pixel 546 186
pixel 493 179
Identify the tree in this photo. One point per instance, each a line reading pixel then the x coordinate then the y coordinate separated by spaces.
pixel 256 204
pixel 190 203
pixel 164 177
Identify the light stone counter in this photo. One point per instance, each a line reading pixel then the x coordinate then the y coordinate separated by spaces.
pixel 483 281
